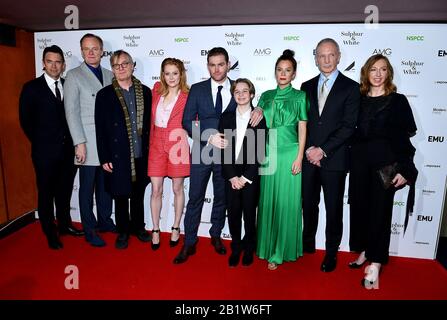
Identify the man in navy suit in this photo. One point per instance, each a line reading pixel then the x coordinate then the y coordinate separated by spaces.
pixel 207 100
pixel 42 117
pixel 334 103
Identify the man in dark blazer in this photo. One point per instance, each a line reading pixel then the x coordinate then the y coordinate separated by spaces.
pixel 122 118
pixel 240 167
pixel 206 102
pixel 42 117
pixel 334 103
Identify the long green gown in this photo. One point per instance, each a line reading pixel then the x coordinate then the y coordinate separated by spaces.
pixel 279 212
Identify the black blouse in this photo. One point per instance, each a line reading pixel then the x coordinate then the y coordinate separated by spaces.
pixel 383 131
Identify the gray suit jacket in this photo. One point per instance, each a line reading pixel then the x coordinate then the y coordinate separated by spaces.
pixel 80 89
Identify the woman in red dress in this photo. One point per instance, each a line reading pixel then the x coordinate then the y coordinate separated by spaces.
pixel 169 149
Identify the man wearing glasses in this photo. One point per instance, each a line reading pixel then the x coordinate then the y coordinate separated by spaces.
pixel 122 117
pixel 80 88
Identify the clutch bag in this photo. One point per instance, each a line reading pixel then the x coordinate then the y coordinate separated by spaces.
pixel 387 174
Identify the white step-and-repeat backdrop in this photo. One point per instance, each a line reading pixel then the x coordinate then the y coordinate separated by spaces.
pixel 418 53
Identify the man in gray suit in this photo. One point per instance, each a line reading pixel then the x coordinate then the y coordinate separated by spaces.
pixel 80 88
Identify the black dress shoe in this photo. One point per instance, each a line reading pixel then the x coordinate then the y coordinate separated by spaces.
pixel 184 253
pixel 54 243
pixel 329 263
pixel 143 235
pixel 307 249
pixel 218 245
pixel 247 258
pixel 122 241
pixel 72 231
pixel 233 261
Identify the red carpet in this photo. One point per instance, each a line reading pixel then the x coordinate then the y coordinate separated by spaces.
pixel 29 270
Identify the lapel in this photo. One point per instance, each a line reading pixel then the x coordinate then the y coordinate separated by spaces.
pixel 333 92
pixel 209 93
pixel 244 141
pixel 313 93
pixel 179 104
pixel 91 78
pixel 47 90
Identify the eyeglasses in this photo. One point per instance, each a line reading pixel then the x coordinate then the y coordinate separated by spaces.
pixel 123 65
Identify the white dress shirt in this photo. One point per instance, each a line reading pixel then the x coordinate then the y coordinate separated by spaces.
pixel 241 127
pixel 51 81
pixel 226 94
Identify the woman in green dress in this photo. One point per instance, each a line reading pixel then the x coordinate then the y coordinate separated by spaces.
pixel 279 212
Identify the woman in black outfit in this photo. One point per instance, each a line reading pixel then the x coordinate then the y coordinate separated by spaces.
pixel 381 143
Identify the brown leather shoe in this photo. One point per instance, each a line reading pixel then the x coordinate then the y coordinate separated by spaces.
pixel 184 253
pixel 218 245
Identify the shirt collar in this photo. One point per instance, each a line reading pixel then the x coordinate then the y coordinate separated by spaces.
pixel 226 84
pixel 50 81
pixel 243 116
pixel 331 77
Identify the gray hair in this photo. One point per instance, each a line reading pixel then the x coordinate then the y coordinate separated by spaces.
pixel 327 40
pixel 118 53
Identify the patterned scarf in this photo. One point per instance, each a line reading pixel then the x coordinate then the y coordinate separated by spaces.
pixel 140 111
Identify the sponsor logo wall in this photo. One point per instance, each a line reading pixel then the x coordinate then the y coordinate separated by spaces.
pixel 417 53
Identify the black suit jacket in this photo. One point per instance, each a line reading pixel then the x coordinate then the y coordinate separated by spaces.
pixel 250 155
pixel 332 130
pixel 113 142
pixel 42 118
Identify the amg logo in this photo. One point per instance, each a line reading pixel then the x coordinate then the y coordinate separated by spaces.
pixel 385 52
pixel 156 53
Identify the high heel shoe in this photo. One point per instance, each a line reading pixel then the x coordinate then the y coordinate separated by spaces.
pixel 155 246
pixel 371 280
pixel 173 243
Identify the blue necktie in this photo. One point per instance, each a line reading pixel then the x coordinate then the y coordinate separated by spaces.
pixel 218 106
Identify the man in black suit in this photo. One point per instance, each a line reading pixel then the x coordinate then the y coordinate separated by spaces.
pixel 240 168
pixel 42 117
pixel 122 119
pixel 206 102
pixel 334 103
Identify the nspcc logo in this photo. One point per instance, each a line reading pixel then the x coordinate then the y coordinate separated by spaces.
pixel 291 38
pixel 415 38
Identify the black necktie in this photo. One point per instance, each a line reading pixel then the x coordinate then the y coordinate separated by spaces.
pixel 218 106
pixel 58 93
